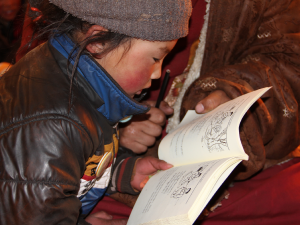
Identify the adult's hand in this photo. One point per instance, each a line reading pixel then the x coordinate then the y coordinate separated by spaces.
pixel 141 131
pixel 103 218
pixel 253 147
pixel 210 102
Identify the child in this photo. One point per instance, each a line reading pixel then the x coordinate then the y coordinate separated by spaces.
pixel 61 103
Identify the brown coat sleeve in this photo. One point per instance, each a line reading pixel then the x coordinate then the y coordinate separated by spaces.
pixel 250 45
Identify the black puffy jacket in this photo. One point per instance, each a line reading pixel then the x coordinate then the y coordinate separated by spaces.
pixel 46 137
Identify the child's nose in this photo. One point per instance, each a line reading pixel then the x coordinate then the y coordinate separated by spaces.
pixel 156 74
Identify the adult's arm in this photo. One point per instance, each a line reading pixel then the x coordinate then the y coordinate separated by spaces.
pixel 256 46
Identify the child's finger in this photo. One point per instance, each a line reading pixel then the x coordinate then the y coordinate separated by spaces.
pixel 163 165
pixel 143 183
pixel 102 215
pixel 160 164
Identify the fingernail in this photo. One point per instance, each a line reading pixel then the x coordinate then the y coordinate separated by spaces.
pixel 170 165
pixel 199 108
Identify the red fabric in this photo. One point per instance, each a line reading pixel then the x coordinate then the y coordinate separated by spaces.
pixel 26 37
pixel 18 26
pixel 117 209
pixel 122 170
pixel 271 197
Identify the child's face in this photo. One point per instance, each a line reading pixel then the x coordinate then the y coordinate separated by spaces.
pixel 9 9
pixel 135 69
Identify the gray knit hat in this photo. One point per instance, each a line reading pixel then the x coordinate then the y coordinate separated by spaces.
pixel 153 20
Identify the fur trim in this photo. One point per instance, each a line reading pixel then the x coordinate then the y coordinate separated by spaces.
pixel 193 74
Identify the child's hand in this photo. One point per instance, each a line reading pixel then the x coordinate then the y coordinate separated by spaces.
pixel 145 167
pixel 103 218
pixel 141 131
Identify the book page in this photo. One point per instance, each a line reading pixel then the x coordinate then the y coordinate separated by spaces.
pixel 209 136
pixel 180 192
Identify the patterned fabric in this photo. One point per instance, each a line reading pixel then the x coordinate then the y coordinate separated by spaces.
pixel 179 80
pixel 247 51
pixel 93 187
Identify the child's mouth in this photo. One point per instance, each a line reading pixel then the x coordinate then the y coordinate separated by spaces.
pixel 139 92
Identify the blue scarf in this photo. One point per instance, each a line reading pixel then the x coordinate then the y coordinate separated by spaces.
pixel 117 104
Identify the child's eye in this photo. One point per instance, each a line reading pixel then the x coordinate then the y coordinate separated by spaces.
pixel 156 60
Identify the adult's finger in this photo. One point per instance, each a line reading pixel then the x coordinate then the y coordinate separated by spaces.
pixel 210 102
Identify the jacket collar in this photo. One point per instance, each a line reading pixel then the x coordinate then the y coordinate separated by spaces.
pixel 117 104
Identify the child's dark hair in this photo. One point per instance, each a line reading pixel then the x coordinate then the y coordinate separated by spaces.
pixel 54 21
pixel 50 20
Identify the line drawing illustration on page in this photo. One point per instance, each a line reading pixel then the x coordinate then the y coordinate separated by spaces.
pixel 183 184
pixel 215 136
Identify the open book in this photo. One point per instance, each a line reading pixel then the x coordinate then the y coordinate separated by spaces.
pixel 204 149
